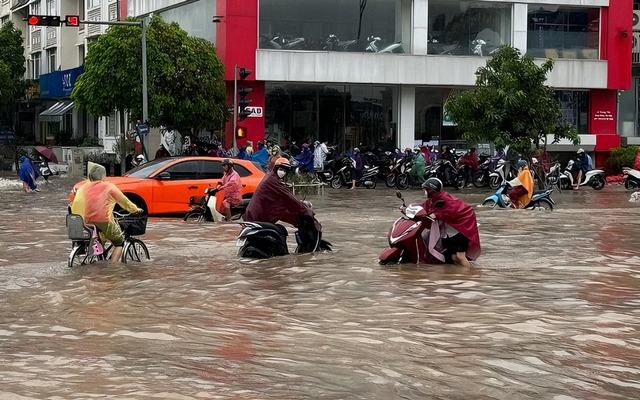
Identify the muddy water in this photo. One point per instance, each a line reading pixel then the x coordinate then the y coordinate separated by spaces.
pixel 550 310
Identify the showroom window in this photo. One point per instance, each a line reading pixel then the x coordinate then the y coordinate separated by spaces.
pixel 467 28
pixel 563 32
pixel 377 26
pixel 344 115
pixel 574 106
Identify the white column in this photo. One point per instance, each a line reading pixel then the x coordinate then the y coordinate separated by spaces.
pixel 420 27
pixel 519 27
pixel 406 117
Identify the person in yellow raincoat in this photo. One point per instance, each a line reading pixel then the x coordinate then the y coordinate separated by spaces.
pixel 522 186
pixel 95 202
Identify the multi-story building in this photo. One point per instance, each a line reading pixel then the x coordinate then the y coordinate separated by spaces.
pixel 55 57
pixel 379 71
pixel 629 100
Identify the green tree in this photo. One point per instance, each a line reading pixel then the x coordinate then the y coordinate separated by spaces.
pixel 188 87
pixel 12 83
pixel 511 105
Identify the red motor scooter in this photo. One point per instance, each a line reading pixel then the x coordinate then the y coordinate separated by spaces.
pixel 414 237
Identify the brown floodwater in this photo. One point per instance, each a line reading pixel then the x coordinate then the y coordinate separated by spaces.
pixel 550 310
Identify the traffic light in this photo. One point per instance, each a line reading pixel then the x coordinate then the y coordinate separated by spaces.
pixel 72 20
pixel 243 102
pixel 241 132
pixel 243 113
pixel 43 20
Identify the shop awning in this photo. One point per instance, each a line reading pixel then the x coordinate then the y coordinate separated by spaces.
pixel 56 111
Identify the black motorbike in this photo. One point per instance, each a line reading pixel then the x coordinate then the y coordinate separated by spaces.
pixel 328 171
pixel 437 170
pixel 343 177
pixel 481 176
pixel 266 240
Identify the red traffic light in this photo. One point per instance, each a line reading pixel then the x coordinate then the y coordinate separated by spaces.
pixel 72 20
pixel 241 132
pixel 43 20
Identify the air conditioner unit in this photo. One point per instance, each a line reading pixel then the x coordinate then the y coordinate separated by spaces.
pixel 636 20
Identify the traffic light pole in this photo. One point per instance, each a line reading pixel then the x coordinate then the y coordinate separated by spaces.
pixel 235 108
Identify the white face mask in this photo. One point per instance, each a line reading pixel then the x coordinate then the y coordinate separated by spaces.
pixel 281 173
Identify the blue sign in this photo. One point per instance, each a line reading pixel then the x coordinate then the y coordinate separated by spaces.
pixel 143 129
pixel 59 84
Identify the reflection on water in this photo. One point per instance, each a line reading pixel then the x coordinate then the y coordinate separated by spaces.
pixel 548 311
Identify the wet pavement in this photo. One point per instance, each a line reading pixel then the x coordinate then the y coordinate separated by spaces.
pixel 550 310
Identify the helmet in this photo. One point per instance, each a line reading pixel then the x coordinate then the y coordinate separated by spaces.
pixel 282 162
pixel 522 163
pixel 305 145
pixel 139 157
pixel 534 160
pixel 316 143
pixel 416 149
pixel 434 184
pixel 226 161
pixel 356 150
pixel 580 151
pixel 407 150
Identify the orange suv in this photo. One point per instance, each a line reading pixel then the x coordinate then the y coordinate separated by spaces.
pixel 164 186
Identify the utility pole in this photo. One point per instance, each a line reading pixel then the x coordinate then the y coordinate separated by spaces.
pixel 235 108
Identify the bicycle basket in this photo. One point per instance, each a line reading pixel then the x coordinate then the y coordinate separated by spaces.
pixel 134 225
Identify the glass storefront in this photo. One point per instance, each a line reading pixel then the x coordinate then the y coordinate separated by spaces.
pixel 563 32
pixel 468 28
pixel 431 125
pixel 344 115
pixel 575 108
pixel 380 26
pixel 627 109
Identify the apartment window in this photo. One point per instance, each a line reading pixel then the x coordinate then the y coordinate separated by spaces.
pixel 35 66
pixel 574 106
pixel 51 7
pixel 81 55
pixel 51 60
pixel 35 7
pixel 563 32
pixel 4 20
pixel 94 3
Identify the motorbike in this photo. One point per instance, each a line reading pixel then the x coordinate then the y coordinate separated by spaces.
pixel 334 44
pixel 552 178
pixel 540 200
pixel 594 178
pixel 410 237
pixel 631 178
pixel 437 170
pixel 398 167
pixel 265 240
pixel 392 48
pixel 504 172
pixel 327 172
pixel 342 177
pixel 205 208
pixel 481 176
pixel 280 42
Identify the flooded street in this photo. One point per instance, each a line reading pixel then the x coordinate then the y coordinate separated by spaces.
pixel 551 309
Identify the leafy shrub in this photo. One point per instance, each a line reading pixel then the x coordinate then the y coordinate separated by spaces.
pixel 620 157
pixel 90 142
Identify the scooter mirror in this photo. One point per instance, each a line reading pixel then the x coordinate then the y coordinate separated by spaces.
pixel 398 194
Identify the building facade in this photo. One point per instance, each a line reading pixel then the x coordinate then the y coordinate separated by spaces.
pixel 55 58
pixel 378 72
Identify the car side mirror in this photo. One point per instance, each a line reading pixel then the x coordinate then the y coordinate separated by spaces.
pixel 163 176
pixel 438 204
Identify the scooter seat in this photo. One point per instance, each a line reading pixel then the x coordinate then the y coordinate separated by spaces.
pixel 276 227
pixel 539 192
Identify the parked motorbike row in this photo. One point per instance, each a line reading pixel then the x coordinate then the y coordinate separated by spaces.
pixel 329 43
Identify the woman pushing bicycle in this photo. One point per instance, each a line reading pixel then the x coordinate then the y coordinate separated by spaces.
pixel 95 202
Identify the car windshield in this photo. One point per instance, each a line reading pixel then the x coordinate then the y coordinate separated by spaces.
pixel 145 170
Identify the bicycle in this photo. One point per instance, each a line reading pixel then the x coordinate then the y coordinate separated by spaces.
pixel 85 236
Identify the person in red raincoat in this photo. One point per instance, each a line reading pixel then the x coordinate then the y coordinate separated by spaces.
pixel 272 201
pixel 461 230
pixel 636 164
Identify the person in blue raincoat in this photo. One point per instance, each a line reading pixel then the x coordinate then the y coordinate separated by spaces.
pixel 242 154
pixel 28 174
pixel 261 156
pixel 306 158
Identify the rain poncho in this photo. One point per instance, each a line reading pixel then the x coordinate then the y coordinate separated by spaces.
pixel 524 179
pixel 418 167
pixel 96 199
pixel 242 154
pixel 261 157
pixel 273 157
pixel 319 156
pixel 28 173
pixel 306 158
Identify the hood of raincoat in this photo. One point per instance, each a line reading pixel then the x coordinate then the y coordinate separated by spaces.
pixel 96 172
